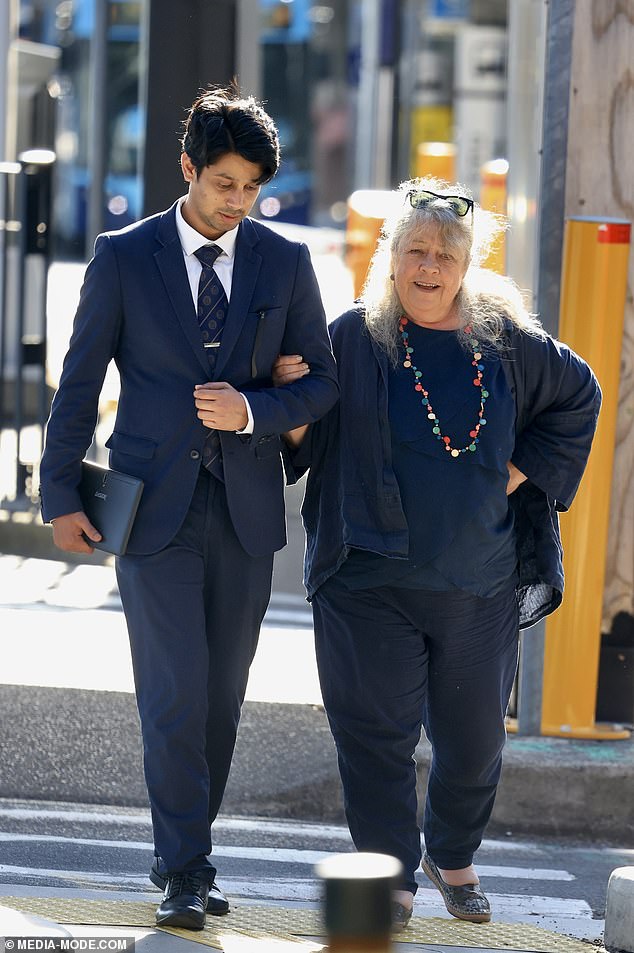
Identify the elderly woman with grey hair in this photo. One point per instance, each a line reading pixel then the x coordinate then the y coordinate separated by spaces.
pixel 432 531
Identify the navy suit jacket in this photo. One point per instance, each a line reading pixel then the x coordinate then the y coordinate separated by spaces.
pixel 136 308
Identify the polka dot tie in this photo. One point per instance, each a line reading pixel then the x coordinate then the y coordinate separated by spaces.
pixel 212 309
pixel 212 300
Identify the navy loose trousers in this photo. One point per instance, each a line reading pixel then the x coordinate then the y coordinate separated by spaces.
pixel 392 660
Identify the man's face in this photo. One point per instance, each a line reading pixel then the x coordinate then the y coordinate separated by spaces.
pixel 222 195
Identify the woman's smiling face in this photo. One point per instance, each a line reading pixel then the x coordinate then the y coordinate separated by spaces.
pixel 427 277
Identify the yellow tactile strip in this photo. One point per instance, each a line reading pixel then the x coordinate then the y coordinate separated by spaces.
pixel 285 926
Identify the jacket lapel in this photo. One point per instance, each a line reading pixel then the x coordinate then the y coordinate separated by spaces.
pixel 171 264
pixel 245 274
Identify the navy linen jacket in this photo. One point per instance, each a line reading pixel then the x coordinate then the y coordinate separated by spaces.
pixel 136 308
pixel 352 497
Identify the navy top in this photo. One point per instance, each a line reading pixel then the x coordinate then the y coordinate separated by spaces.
pixel 352 495
pixel 459 520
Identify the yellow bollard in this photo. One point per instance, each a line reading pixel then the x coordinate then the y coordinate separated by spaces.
pixel 594 284
pixel 493 198
pixel 437 159
pixel 367 210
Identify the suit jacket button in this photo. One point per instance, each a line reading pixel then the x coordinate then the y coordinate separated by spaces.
pixel 194 454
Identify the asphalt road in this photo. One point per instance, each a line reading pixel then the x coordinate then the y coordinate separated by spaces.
pixel 95 850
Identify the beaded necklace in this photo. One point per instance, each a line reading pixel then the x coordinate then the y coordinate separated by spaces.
pixel 425 401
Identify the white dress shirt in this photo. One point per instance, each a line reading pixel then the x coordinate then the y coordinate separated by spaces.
pixel 191 241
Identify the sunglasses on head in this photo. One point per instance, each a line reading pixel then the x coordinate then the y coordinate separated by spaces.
pixel 457 203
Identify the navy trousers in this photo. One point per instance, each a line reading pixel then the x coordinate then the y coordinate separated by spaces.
pixel 393 660
pixel 193 611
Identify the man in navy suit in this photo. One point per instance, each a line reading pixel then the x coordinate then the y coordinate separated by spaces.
pixel 199 421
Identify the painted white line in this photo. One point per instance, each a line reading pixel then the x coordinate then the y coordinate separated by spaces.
pixel 524 873
pixel 83 817
pixel 294 828
pixel 270 854
pixel 275 616
pixel 292 599
pixel 77 876
pixel 78 841
pixel 222 823
pixel 315 831
pixel 281 855
pixel 295 888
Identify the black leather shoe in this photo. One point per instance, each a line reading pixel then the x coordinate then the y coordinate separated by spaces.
pixel 466 902
pixel 184 902
pixel 217 903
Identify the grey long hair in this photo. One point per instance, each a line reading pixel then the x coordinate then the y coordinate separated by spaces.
pixel 486 300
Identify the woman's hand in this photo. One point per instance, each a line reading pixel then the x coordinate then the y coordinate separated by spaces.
pixel 294 437
pixel 288 368
pixel 516 477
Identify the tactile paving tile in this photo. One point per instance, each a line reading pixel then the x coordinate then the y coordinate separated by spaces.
pixel 286 925
pixel 113 913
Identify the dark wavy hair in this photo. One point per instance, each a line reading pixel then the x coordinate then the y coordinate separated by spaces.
pixel 220 120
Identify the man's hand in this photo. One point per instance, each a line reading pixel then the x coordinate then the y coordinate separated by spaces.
pixel 288 368
pixel 220 406
pixel 68 530
pixel 516 477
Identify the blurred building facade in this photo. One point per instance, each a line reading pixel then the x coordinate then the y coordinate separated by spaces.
pixel 354 85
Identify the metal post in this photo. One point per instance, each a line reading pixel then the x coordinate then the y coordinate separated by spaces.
pixel 367 95
pixel 248 52
pixel 546 261
pixel 18 383
pixel 540 53
pixel 384 112
pixel 38 165
pixel 97 138
pixel 9 228
pixel 34 216
pixel 8 82
pixel 5 43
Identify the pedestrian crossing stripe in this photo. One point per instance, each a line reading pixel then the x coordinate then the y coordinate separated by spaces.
pixel 287 926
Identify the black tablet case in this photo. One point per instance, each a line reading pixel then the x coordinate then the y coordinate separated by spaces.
pixel 110 500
